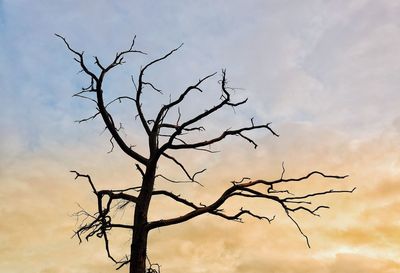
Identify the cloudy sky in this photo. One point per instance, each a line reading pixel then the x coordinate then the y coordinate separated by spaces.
pixel 325 73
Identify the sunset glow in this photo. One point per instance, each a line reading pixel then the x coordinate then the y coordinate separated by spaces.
pixel 324 73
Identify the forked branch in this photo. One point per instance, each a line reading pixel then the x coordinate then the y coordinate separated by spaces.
pixel 184 126
pixel 100 222
pixel 246 189
pixel 96 86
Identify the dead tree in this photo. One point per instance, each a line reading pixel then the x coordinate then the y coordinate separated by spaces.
pixel 163 139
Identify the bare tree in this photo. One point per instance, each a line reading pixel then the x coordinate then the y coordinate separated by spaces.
pixel 164 138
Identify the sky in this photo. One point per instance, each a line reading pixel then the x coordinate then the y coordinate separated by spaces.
pixel 325 73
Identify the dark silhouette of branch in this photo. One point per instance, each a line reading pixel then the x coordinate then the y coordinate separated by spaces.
pixel 178 181
pixel 246 189
pixel 100 222
pixel 167 107
pixel 182 167
pixel 96 85
pixel 226 100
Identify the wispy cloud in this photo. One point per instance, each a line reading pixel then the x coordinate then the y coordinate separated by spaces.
pixel 326 75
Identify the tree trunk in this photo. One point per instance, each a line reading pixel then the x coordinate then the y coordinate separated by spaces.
pixel 138 252
pixel 140 232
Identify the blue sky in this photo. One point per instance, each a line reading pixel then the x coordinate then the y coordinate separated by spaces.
pixel 282 53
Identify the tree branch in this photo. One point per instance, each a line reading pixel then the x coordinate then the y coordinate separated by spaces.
pixel 100 222
pixel 79 58
pixel 167 107
pixel 96 85
pixel 140 87
pixel 182 167
pixel 226 100
pixel 246 190
pixel 226 133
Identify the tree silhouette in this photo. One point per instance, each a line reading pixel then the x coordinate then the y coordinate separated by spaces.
pixel 164 138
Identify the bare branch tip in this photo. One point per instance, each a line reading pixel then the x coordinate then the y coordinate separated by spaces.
pixel 76 174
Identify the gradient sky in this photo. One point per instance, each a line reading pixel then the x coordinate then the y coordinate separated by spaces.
pixel 325 73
